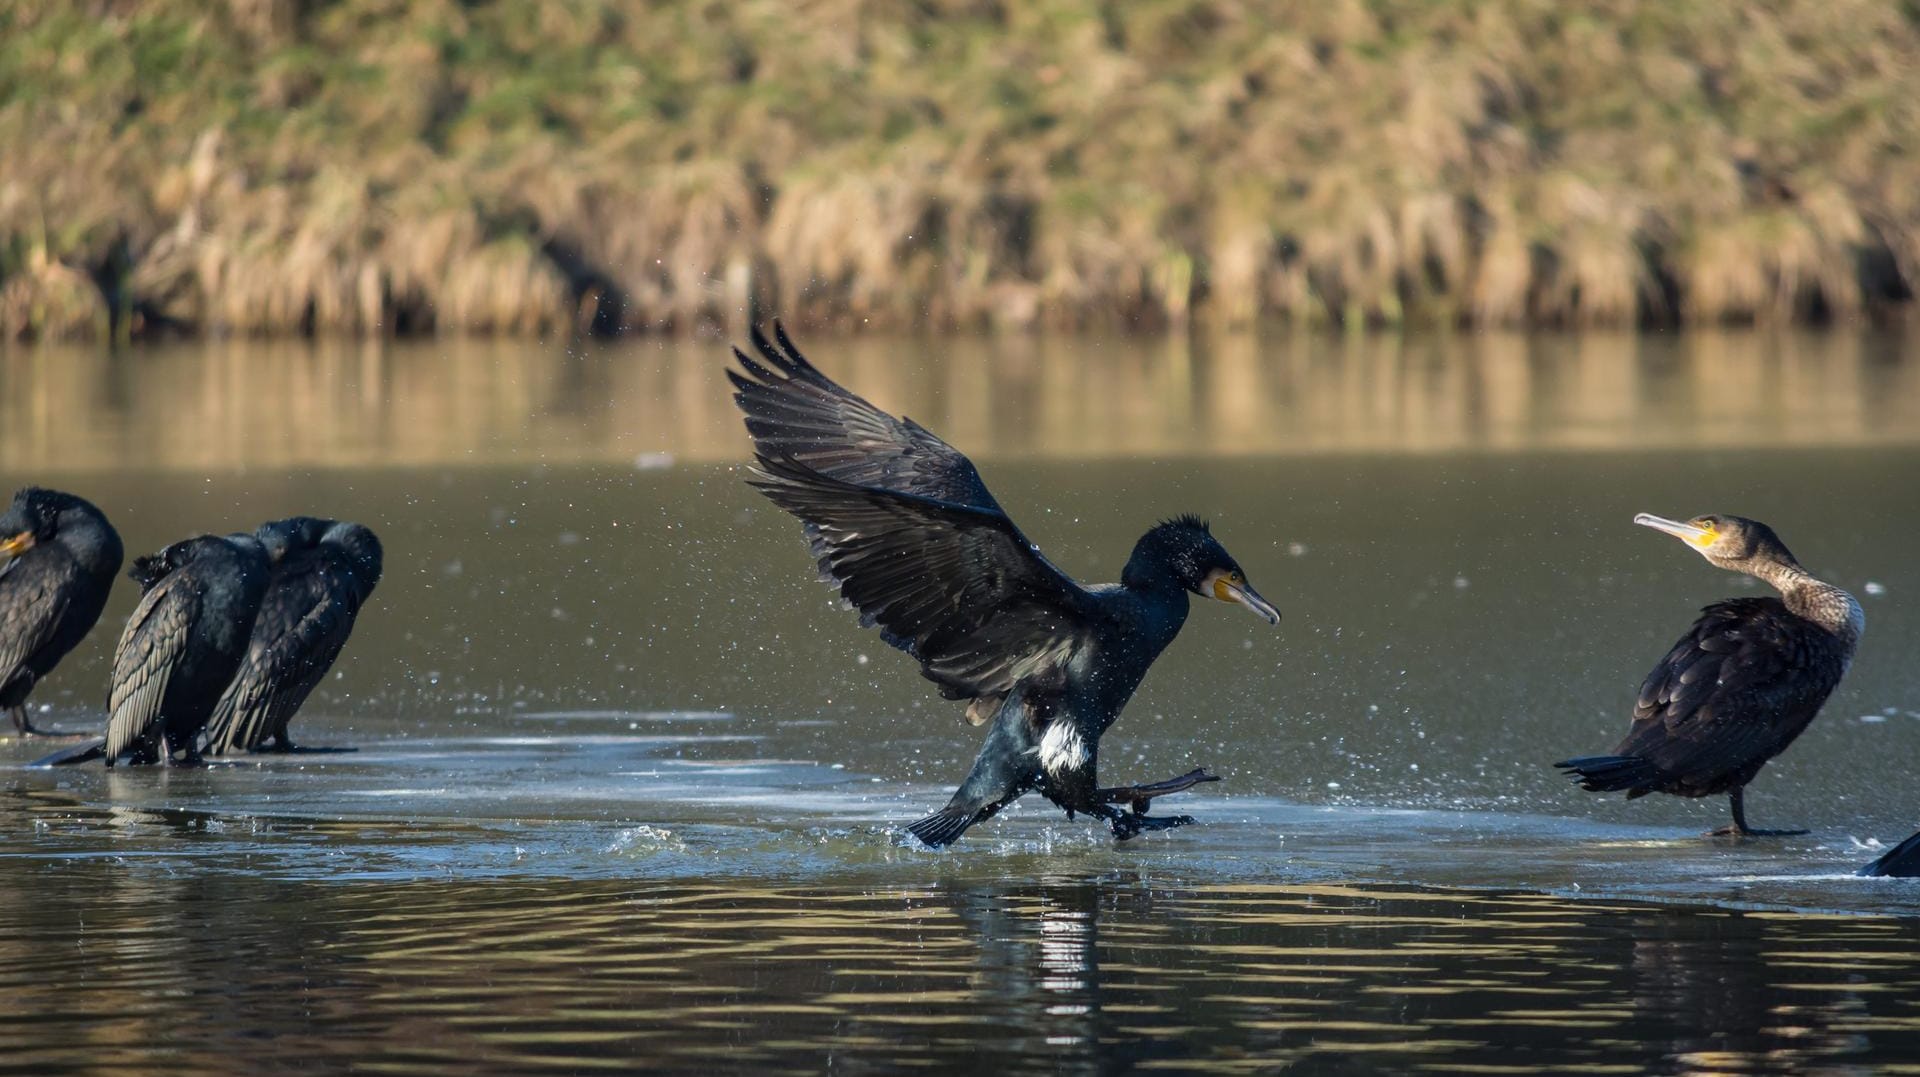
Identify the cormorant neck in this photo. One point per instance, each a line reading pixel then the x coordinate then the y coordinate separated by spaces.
pixel 1149 574
pixel 1813 598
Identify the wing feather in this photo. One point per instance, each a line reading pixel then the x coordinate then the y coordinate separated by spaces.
pixel 1733 692
pixel 35 590
pixel 156 637
pixel 902 524
pixel 795 412
pixel 956 586
pixel 302 626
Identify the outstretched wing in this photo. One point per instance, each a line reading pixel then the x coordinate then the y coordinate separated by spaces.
pixel 795 412
pixel 955 585
pixel 1733 692
pixel 35 589
pixel 156 637
pixel 302 626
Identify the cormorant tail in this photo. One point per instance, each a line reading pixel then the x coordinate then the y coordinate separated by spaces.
pixel 1612 773
pixel 78 753
pixel 945 826
pixel 1903 860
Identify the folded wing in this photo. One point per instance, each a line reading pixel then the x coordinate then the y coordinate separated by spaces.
pixel 156 637
pixel 1736 689
pixel 303 625
pixel 34 593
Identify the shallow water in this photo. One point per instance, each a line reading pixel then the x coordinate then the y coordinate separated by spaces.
pixel 629 785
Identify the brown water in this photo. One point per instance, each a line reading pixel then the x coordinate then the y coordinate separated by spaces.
pixel 629 785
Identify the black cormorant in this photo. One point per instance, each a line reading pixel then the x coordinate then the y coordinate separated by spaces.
pixel 58 558
pixel 1903 861
pixel 322 571
pixel 900 521
pixel 182 645
pixel 1741 684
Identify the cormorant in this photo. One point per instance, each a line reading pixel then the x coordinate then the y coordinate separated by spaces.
pixel 182 645
pixel 1903 861
pixel 322 571
pixel 900 521
pixel 1741 684
pixel 58 558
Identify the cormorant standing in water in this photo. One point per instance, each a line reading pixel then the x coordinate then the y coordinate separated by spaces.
pixel 58 557
pixel 1903 860
pixel 182 645
pixel 901 522
pixel 322 571
pixel 1741 684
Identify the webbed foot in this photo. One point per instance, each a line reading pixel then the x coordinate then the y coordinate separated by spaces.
pixel 1126 824
pixel 1737 799
pixel 1138 797
pixel 1733 831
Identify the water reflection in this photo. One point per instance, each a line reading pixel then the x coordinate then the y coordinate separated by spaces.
pixel 1069 975
pixel 243 403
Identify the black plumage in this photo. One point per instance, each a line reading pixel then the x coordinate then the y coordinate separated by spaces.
pixel 1744 681
pixel 182 645
pixel 58 558
pixel 901 523
pixel 1901 861
pixel 322 572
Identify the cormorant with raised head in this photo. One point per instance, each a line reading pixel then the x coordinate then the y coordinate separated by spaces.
pixel 323 570
pixel 1901 861
pixel 900 521
pixel 1741 684
pixel 58 558
pixel 182 645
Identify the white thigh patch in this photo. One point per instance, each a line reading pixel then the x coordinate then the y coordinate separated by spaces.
pixel 1062 749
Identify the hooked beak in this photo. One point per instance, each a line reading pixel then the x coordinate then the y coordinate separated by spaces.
pixel 16 545
pixel 1244 594
pixel 1698 536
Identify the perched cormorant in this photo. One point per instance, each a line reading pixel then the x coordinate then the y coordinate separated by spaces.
pixel 1903 861
pixel 58 557
pixel 1741 684
pixel 322 571
pixel 900 521
pixel 182 645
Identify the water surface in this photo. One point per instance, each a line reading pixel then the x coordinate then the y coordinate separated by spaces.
pixel 629 785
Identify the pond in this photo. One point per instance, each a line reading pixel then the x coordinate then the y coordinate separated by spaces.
pixel 629 784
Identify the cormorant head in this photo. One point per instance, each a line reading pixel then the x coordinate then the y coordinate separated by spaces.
pixel 1184 550
pixel 1730 542
pixel 39 516
pixel 362 547
pixel 282 537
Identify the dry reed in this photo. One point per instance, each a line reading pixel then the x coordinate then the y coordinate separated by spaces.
pixel 362 166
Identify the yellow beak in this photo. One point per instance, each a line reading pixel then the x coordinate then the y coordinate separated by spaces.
pixel 1699 536
pixel 1245 595
pixel 16 545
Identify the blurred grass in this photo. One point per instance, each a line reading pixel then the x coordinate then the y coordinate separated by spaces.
pixel 294 166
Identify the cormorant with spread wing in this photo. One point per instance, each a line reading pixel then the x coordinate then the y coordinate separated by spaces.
pixel 323 570
pixel 900 521
pixel 58 558
pixel 181 646
pixel 1741 684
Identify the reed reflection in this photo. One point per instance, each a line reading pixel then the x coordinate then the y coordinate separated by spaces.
pixel 243 403
pixel 1719 991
